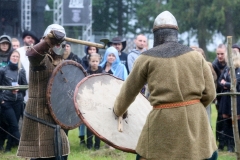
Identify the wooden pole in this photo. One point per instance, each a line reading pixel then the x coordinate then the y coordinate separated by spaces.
pixel 87 43
pixel 20 87
pixel 228 93
pixel 120 125
pixel 233 97
pixel 84 42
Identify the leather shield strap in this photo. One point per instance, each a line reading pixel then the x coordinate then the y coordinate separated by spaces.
pixel 177 104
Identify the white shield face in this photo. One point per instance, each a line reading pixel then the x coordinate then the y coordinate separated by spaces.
pixel 97 113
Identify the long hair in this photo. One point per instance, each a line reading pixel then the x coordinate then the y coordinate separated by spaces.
pixel 200 50
pixel 19 63
pixel 236 59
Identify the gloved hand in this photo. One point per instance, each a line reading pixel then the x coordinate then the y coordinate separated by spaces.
pixel 54 38
pixel 123 116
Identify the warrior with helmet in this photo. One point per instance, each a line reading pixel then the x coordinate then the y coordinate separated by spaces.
pixel 41 137
pixel 181 85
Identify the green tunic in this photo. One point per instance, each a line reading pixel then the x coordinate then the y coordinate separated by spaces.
pixel 175 133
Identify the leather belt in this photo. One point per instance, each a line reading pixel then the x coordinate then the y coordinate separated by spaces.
pixel 177 104
pixel 57 134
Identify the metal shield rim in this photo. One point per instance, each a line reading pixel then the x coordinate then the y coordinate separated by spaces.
pixel 49 89
pixel 85 121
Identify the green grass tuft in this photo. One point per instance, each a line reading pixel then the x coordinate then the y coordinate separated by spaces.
pixel 78 152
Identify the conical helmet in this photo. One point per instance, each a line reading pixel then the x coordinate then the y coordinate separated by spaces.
pixel 165 20
pixel 59 50
pixel 54 27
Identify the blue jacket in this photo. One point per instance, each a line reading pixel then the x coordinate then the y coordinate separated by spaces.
pixel 118 69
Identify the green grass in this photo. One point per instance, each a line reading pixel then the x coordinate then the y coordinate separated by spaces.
pixel 78 152
pixel 221 155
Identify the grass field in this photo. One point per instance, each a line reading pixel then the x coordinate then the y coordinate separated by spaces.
pixel 81 153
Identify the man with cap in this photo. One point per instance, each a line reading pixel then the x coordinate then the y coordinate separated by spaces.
pixel 120 44
pixel 41 137
pixel 29 39
pixel 181 86
pixel 5 49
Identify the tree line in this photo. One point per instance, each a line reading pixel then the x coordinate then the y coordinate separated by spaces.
pixel 201 18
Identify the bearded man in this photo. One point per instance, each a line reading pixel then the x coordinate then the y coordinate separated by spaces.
pixel 29 38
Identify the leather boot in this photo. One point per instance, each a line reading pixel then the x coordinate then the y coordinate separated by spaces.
pixel 221 141
pixel 230 145
pixel 82 140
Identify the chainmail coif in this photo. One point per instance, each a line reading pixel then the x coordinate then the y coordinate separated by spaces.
pixel 166 44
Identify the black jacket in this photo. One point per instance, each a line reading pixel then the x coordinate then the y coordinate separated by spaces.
pixel 85 63
pixel 218 68
pixel 74 57
pixel 123 58
pixel 225 103
pixel 9 75
pixel 100 70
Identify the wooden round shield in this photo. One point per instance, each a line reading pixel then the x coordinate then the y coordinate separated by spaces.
pixel 60 93
pixel 94 99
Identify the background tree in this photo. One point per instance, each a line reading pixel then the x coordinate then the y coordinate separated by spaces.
pixel 111 16
pixel 195 16
pixel 199 18
pixel 146 12
pixel 227 12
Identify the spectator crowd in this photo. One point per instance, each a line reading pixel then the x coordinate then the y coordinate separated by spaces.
pixel 14 70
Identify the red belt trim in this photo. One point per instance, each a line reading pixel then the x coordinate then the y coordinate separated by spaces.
pixel 177 104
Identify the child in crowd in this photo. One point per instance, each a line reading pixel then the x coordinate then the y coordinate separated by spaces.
pixel 94 68
pixel 88 50
pixel 94 61
pixel 85 63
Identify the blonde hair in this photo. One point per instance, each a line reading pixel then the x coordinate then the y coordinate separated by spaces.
pixel 15 40
pixel 94 55
pixel 236 58
pixel 19 62
pixel 200 50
